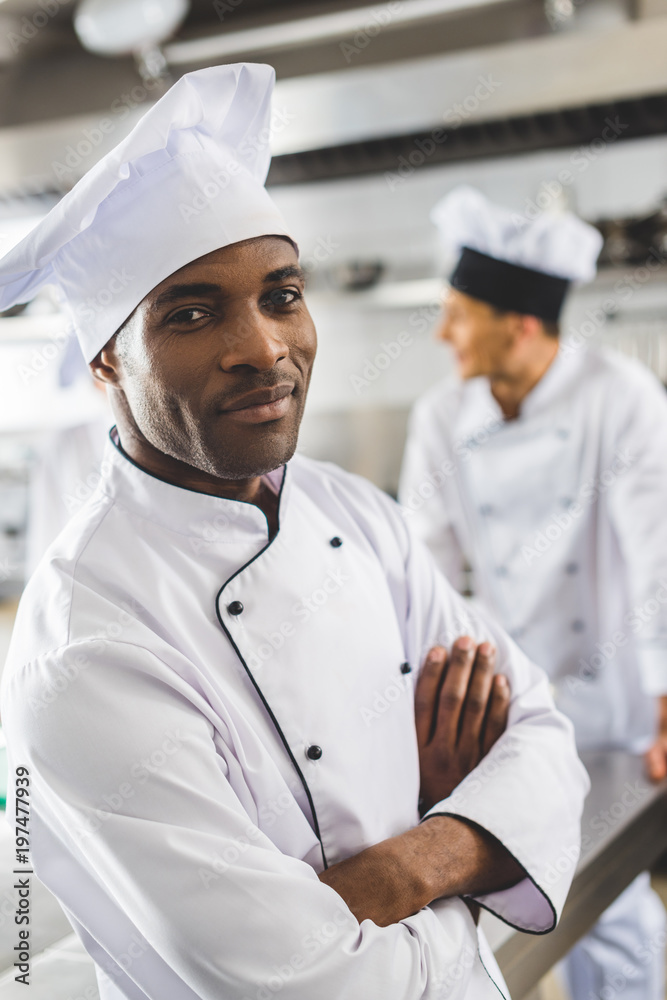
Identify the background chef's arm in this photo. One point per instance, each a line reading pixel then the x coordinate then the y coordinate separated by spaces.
pixel 529 790
pixel 138 829
pixel 635 464
pixel 427 466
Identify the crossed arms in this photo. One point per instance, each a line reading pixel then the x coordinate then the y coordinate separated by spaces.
pixel 461 709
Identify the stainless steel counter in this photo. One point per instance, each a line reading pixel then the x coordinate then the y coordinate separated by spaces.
pixel 624 831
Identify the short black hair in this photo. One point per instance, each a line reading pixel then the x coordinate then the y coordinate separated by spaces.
pixel 550 327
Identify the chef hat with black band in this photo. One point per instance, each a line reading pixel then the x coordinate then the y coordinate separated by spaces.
pixel 188 179
pixel 510 262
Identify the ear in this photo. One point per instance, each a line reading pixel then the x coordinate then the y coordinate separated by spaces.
pixel 105 367
pixel 530 327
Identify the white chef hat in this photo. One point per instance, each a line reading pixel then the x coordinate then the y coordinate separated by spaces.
pixel 187 180
pixel 510 262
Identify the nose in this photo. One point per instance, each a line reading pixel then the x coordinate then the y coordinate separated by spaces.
pixel 253 340
pixel 443 331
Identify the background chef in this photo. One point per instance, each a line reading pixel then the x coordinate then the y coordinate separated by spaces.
pixel 546 467
pixel 136 633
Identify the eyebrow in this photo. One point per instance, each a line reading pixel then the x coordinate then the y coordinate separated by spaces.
pixel 206 288
pixel 177 292
pixel 291 271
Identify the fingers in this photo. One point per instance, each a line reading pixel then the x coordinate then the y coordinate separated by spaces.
pixel 454 690
pixel 477 698
pixel 654 760
pixel 426 693
pixel 497 713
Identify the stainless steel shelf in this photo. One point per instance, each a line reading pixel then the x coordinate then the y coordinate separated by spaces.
pixel 624 831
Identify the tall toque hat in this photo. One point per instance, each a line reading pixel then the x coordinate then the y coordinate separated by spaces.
pixel 511 263
pixel 187 180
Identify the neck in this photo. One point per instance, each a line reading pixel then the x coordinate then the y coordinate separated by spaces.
pixel 511 388
pixel 251 490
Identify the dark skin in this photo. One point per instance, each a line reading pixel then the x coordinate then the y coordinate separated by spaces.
pixel 207 381
pixel 228 328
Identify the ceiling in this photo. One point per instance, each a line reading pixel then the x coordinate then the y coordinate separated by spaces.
pixel 48 75
pixel 364 99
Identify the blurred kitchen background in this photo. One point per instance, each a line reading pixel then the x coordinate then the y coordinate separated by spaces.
pixel 379 111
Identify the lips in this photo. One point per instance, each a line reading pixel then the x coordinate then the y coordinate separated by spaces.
pixel 261 406
pixel 260 397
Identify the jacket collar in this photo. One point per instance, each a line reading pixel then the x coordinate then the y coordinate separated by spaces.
pixel 480 416
pixel 184 511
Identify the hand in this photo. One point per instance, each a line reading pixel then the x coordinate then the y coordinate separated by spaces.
pixel 655 759
pixel 461 709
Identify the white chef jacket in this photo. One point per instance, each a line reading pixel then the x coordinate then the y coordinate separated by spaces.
pixel 560 515
pixel 170 674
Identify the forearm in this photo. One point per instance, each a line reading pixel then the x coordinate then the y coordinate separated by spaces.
pixel 662 714
pixel 442 857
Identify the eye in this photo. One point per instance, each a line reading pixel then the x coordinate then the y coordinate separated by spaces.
pixel 283 296
pixel 191 315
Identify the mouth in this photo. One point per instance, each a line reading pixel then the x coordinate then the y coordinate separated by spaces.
pixel 261 405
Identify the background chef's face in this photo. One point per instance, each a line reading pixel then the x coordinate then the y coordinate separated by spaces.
pixel 229 324
pixel 481 339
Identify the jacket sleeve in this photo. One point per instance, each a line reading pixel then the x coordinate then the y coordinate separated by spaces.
pixel 426 469
pixel 530 789
pixel 635 470
pixel 176 893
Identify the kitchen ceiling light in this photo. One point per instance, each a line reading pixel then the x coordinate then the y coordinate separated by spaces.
pixel 121 27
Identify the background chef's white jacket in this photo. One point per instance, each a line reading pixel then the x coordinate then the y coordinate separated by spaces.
pixel 175 810
pixel 561 515
pixel 64 475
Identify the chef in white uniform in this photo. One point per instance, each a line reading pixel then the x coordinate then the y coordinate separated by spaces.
pixel 537 475
pixel 212 676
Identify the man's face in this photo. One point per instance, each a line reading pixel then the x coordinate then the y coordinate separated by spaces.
pixel 480 338
pixel 214 363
